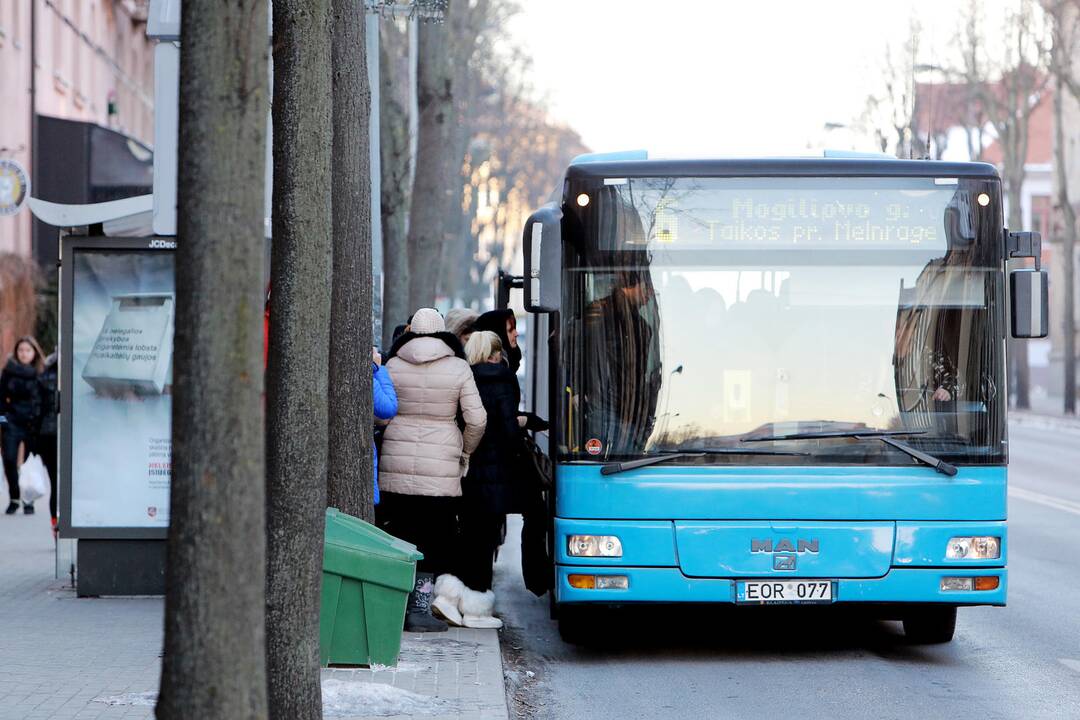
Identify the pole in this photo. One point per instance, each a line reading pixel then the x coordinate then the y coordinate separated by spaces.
pixel 1068 243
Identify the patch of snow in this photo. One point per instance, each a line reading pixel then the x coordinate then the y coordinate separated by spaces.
pixel 343 698
pixel 145 699
pixel 402 666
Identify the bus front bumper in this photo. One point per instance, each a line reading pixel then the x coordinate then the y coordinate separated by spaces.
pixel 670 585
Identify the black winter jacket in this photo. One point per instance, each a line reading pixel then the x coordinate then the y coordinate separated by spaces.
pixel 47 378
pixel 20 396
pixel 494 481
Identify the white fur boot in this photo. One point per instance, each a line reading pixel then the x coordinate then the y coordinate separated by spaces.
pixel 448 591
pixel 477 609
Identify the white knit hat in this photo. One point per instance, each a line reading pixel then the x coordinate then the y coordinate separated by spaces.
pixel 426 321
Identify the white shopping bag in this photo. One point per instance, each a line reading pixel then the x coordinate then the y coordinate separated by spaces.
pixel 33 479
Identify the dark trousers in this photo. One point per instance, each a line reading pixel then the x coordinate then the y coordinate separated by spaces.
pixel 46 447
pixel 12 436
pixel 481 536
pixel 429 523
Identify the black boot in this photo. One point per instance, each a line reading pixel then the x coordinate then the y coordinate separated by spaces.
pixel 12 508
pixel 418 617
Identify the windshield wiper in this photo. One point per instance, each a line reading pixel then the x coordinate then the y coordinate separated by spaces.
pixel 835 434
pixel 618 467
pixel 885 436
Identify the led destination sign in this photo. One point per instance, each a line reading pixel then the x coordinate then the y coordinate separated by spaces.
pixel 807 220
pixel 863 213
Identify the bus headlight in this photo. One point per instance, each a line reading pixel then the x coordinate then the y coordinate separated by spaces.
pixel 593 546
pixel 980 547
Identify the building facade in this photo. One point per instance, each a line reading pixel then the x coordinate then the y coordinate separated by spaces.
pixel 85 61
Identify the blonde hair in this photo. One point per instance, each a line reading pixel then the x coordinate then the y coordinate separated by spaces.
pixel 481 346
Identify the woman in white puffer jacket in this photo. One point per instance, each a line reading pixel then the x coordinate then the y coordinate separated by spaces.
pixel 425 453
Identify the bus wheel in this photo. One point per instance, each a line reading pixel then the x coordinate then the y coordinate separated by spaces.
pixel 574 624
pixel 930 625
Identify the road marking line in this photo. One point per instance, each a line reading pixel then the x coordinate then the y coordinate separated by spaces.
pixel 1071 664
pixel 1048 500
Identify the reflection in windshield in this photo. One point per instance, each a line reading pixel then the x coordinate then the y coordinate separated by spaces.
pixel 676 341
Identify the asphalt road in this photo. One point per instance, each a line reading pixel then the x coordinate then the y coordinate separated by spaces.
pixel 1022 661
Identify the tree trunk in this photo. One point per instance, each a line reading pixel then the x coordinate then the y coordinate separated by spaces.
pixel 435 180
pixel 394 164
pixel 215 643
pixel 350 475
pixel 1068 242
pixel 296 397
pixel 458 249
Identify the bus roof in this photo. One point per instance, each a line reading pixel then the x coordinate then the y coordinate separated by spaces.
pixel 778 167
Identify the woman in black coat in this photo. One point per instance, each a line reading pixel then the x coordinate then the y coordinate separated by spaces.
pixel 20 405
pixel 490 489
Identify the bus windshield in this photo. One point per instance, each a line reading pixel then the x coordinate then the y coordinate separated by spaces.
pixel 699 312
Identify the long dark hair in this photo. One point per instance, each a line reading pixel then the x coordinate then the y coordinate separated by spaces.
pixel 39 357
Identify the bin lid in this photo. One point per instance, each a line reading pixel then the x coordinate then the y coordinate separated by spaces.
pixel 356 549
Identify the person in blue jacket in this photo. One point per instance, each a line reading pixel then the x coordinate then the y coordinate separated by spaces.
pixel 385 403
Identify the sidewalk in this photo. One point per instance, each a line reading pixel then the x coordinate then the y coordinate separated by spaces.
pixel 66 658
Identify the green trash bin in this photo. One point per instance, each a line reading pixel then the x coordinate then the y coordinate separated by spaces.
pixel 367 576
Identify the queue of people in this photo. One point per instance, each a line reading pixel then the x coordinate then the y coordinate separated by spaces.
pixel 28 419
pixel 449 466
pixel 446 397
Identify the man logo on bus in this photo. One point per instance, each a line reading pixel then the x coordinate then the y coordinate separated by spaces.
pixel 593 447
pixel 784 546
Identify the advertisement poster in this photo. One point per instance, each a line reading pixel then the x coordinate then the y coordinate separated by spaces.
pixel 123 309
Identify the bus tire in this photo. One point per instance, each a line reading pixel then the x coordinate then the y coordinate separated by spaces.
pixel 930 625
pixel 574 625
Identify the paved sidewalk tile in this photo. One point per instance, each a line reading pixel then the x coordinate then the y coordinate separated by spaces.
pixel 459 670
pixel 58 652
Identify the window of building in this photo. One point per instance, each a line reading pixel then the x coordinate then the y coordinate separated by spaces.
pixel 15 29
pixel 1040 214
pixel 78 66
pixel 60 75
pixel 90 85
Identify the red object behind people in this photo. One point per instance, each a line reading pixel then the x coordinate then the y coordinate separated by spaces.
pixel 266 327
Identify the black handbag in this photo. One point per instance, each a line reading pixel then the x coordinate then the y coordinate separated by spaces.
pixel 535 464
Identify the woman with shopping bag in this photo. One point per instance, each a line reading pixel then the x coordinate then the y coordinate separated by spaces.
pixel 20 406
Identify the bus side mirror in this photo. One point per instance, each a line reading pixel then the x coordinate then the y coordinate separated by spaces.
pixel 542 242
pixel 1030 302
pixel 1029 294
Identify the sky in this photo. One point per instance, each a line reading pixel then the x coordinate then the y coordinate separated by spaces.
pixel 720 77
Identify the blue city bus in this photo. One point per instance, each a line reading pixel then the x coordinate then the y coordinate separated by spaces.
pixel 777 381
